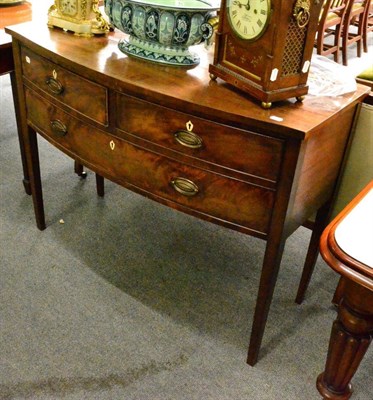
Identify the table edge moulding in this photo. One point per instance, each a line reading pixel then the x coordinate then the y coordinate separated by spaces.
pixel 175 136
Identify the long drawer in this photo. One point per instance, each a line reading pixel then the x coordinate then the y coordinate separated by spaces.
pixel 237 149
pixel 74 91
pixel 211 195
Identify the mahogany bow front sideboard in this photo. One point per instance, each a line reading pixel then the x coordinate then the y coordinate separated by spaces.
pixel 177 137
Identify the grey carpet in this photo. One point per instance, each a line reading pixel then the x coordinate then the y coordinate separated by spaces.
pixel 131 300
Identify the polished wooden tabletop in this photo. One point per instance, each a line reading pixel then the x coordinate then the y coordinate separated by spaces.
pixel 177 87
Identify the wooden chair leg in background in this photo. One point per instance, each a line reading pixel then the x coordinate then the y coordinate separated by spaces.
pixel 353 27
pixel 330 26
pixel 368 25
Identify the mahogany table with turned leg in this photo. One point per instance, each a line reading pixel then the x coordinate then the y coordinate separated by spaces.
pixel 346 246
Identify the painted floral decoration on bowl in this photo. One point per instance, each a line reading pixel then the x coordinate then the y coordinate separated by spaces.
pixel 162 30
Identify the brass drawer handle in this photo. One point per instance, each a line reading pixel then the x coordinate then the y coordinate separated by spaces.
pixel 188 139
pixel 58 128
pixel 54 85
pixel 184 186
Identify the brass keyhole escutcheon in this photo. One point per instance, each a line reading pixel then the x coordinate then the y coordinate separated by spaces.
pixel 112 144
pixel 189 126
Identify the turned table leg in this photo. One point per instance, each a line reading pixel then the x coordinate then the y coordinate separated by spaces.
pixel 338 294
pixel 350 338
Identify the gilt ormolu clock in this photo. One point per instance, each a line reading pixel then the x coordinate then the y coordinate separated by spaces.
pixel 82 17
pixel 264 47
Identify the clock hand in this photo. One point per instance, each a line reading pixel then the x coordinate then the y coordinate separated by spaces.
pixel 247 6
pixel 238 3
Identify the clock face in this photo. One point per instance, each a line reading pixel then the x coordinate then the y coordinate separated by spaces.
pixel 248 18
pixel 68 7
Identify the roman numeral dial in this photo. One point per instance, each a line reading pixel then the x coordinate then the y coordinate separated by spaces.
pixel 248 18
pixel 68 7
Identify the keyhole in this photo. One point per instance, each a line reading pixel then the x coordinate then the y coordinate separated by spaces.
pixel 112 145
pixel 189 126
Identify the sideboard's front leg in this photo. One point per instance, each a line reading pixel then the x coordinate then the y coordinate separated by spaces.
pixel 26 179
pixel 271 265
pixel 32 154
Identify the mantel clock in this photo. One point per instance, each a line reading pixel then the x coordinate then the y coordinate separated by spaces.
pixel 82 17
pixel 264 47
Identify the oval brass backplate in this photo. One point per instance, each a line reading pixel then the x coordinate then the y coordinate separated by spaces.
pixel 188 139
pixel 184 186
pixel 54 85
pixel 59 128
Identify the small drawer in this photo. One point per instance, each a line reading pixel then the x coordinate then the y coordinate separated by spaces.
pixel 79 94
pixel 194 190
pixel 243 151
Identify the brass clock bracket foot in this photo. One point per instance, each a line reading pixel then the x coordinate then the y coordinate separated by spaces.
pixel 213 77
pixel 266 105
pixel 300 98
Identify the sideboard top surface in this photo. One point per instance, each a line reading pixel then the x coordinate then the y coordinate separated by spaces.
pixel 186 89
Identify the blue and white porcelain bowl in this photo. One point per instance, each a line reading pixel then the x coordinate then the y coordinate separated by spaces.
pixel 162 30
